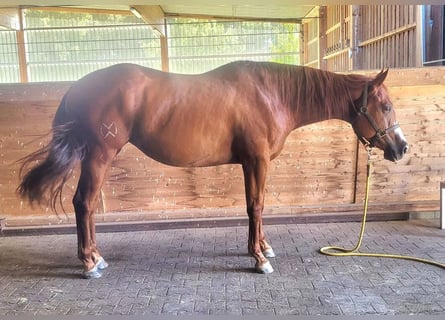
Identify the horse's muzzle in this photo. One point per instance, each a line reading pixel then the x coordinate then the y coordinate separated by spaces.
pixel 395 152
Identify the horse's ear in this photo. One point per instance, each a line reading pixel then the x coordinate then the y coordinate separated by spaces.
pixel 378 80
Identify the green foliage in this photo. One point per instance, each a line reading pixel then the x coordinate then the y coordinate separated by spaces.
pixel 198 46
pixel 35 18
pixel 287 46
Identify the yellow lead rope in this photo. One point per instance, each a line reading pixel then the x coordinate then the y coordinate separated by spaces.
pixel 339 252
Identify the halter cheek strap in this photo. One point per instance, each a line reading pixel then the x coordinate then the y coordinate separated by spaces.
pixel 380 134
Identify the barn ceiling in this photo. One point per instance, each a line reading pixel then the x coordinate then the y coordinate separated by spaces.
pixel 271 10
pixel 258 9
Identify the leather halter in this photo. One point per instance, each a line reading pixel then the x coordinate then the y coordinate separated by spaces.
pixel 380 134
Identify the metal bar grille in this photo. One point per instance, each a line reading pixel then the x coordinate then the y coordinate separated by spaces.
pixel 64 46
pixel 9 61
pixel 68 54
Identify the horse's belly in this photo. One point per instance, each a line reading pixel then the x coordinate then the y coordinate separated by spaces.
pixel 186 153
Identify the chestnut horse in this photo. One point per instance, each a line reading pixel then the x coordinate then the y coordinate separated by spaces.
pixel 240 113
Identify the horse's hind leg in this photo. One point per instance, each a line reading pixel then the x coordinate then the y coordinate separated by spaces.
pixel 93 170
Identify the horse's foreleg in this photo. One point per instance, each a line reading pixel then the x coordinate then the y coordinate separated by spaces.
pixel 85 201
pixel 255 178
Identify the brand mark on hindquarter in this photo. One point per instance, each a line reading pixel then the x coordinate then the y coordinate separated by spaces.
pixel 108 130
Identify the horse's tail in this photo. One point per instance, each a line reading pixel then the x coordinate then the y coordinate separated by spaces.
pixel 44 172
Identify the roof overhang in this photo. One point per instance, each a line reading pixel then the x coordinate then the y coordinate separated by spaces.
pixel 279 10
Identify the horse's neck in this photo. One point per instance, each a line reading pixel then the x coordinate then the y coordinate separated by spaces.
pixel 305 115
pixel 308 107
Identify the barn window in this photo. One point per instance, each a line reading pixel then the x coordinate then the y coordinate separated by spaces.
pixel 9 62
pixel 199 45
pixel 67 45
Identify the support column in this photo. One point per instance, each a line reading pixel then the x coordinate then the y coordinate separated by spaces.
pixel 21 49
pixel 419 58
pixel 155 17
pixel 442 205
pixel 164 50
pixel 355 29
pixel 322 37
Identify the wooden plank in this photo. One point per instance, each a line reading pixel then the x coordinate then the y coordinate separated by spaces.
pixel 386 43
pixel 322 38
pixel 131 221
pixel 21 50
pixel 153 15
pixel 442 205
pixel 9 18
pixel 403 77
pixel 397 37
pixel 387 35
pixel 86 10
pixel 333 28
pixel 164 54
pixel 336 54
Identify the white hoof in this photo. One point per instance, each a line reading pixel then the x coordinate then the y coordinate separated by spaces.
pixel 264 268
pixel 269 253
pixel 101 264
pixel 93 273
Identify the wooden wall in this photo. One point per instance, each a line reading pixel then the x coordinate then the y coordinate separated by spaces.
pixel 312 49
pixel 321 169
pixel 389 36
pixel 353 37
pixel 339 34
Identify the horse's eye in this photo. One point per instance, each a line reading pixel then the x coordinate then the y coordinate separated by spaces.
pixel 387 107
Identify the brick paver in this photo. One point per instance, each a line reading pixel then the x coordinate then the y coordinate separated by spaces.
pixel 207 271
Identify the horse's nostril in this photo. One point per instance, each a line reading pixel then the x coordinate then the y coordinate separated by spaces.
pixel 405 149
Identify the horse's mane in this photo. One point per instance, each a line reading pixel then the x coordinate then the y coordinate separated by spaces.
pixel 312 89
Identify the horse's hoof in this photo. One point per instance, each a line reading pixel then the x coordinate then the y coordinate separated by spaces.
pixel 101 264
pixel 264 268
pixel 92 274
pixel 269 253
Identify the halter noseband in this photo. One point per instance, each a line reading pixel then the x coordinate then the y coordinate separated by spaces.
pixel 379 133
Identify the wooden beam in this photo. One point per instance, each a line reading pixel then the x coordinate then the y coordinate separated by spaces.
pixel 355 29
pixel 442 205
pixel 153 15
pixel 21 49
pixel 229 18
pixel 334 27
pixel 336 53
pixel 419 58
pixel 22 56
pixel 322 22
pixel 9 18
pixel 164 54
pixel 388 34
pixel 77 10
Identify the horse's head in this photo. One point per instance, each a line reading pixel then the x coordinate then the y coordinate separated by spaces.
pixel 375 120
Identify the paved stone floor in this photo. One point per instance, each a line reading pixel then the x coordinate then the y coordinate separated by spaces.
pixel 207 271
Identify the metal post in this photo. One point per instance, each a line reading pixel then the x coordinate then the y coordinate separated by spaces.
pixel 442 205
